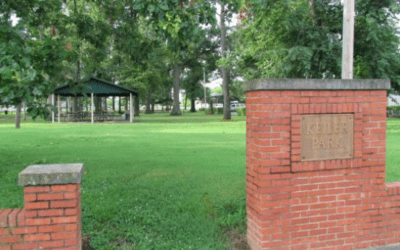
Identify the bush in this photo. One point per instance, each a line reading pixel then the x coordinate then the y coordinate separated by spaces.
pixel 393 110
pixel 218 111
pixel 202 109
pixel 241 111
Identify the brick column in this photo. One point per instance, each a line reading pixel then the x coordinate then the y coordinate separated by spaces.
pixel 51 217
pixel 322 203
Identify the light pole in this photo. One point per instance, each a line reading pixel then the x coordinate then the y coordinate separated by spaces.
pixel 348 39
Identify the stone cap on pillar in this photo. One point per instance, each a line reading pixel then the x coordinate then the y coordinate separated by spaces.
pixel 51 174
pixel 317 84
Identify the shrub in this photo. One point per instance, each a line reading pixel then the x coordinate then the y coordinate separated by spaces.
pixel 202 109
pixel 218 111
pixel 241 111
pixel 393 110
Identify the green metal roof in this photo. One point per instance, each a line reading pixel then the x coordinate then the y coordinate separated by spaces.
pixel 96 86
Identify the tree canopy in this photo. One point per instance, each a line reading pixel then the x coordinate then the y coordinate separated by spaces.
pixel 303 39
pixel 156 46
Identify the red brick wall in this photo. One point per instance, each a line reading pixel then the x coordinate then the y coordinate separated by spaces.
pixel 325 204
pixel 50 219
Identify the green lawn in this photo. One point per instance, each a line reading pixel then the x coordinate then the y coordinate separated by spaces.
pixel 161 183
pixel 393 150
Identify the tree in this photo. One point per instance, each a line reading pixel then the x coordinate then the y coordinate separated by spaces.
pixel 303 39
pixel 228 8
pixel 192 86
pixel 30 53
pixel 178 23
pixel 237 91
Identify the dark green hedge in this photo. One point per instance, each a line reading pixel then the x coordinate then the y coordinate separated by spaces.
pixel 241 111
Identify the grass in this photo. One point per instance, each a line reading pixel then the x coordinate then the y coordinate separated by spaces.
pixel 161 183
pixel 393 150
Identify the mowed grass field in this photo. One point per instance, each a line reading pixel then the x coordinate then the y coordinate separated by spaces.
pixel 161 183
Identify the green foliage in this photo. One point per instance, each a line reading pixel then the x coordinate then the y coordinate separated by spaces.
pixel 236 91
pixel 241 111
pixel 217 111
pixel 287 39
pixel 217 91
pixel 393 111
pixel 232 214
pixel 30 53
pixel 394 108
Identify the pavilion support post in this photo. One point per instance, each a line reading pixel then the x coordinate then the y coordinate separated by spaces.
pixel 92 106
pixel 59 108
pixel 52 112
pixel 131 107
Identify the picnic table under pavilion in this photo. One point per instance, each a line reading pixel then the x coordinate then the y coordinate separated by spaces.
pixel 93 87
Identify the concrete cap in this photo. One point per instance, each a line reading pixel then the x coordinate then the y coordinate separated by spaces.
pixel 317 84
pixel 49 174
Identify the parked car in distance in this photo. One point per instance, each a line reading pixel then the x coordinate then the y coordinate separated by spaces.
pixel 9 109
pixel 235 105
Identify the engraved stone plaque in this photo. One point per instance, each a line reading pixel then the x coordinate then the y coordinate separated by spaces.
pixel 326 137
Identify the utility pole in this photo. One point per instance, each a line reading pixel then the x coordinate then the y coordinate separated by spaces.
pixel 348 39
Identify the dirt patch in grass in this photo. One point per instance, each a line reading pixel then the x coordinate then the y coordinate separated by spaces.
pixel 86 243
pixel 238 240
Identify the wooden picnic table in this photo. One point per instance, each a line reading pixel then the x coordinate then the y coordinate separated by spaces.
pixel 87 116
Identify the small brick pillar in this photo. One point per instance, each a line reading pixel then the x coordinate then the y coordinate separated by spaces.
pixel 51 217
pixel 333 203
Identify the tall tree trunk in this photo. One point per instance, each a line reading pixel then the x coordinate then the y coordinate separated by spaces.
pixel 225 72
pixel 193 105
pixel 24 111
pixel 113 103
pixel 126 104
pixel 136 107
pixel 78 76
pixel 312 3
pixel 97 104
pixel 49 109
pixel 185 100
pixel 75 104
pixel 148 102
pixel 105 104
pixel 176 110
pixel 18 117
pixel 152 106
pixel 119 105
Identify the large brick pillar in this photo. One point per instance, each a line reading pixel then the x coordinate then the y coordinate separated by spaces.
pixel 51 217
pixel 316 165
